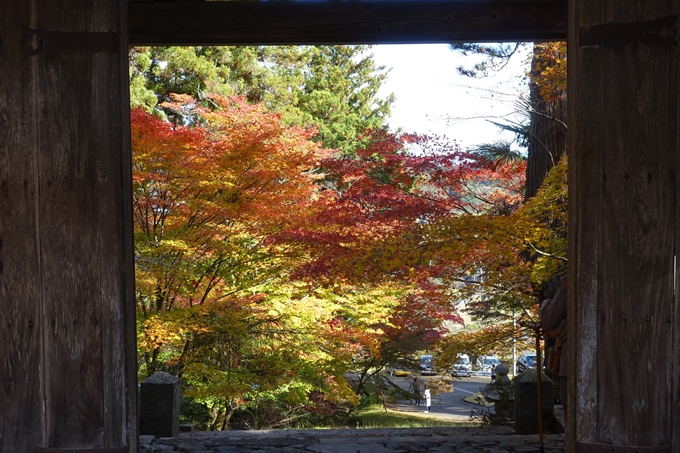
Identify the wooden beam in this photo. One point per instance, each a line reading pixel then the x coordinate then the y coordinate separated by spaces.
pixel 68 375
pixel 355 22
pixel 623 226
pixel 22 393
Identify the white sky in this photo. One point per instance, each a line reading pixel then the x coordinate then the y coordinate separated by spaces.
pixel 432 97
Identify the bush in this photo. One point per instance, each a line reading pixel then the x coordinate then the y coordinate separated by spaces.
pixel 194 413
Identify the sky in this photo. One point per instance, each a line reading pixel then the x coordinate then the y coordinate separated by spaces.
pixel 432 97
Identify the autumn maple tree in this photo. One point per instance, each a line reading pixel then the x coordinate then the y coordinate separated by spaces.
pixel 407 211
pixel 393 190
pixel 512 261
pixel 517 254
pixel 208 199
pixel 447 225
pixel 277 278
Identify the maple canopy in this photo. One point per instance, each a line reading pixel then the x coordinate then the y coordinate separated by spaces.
pixel 219 208
pixel 207 198
pixel 268 267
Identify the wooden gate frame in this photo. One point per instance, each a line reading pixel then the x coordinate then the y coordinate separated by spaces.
pixel 65 208
pixel 623 235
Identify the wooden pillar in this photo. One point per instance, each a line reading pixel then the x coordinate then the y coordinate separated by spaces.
pixel 623 205
pixel 67 377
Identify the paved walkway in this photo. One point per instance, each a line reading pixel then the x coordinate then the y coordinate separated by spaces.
pixel 439 410
pixel 451 403
pixel 430 440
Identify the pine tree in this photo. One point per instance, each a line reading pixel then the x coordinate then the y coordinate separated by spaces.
pixel 334 88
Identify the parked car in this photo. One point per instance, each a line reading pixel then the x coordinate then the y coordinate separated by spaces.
pixel 526 362
pixel 463 367
pixel 426 366
pixel 487 362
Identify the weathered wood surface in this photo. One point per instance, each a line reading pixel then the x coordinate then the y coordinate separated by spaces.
pixel 66 233
pixel 637 223
pixel 584 178
pixel 356 22
pixel 21 393
pixel 623 159
pixel 675 370
pixel 126 352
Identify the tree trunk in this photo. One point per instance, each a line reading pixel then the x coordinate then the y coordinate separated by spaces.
pixel 548 132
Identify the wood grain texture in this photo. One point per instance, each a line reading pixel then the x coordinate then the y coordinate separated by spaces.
pixel 131 428
pixel 21 392
pixel 675 322
pixel 675 370
pixel 82 229
pixel 675 396
pixel 70 230
pixel 637 225
pixel 637 236
pixel 624 128
pixel 585 162
pixel 574 239
pixel 111 194
pixel 327 22
pixel 114 172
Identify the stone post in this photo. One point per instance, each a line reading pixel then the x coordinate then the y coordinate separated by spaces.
pixel 526 403
pixel 502 371
pixel 159 405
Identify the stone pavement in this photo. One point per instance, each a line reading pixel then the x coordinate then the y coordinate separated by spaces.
pixel 380 440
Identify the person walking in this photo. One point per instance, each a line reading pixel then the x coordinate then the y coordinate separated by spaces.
pixel 415 386
pixel 428 399
pixel 554 318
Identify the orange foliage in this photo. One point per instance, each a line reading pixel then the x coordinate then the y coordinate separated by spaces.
pixel 549 69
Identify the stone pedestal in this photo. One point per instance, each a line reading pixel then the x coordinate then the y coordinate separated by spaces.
pixel 501 388
pixel 526 403
pixel 501 393
pixel 159 405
